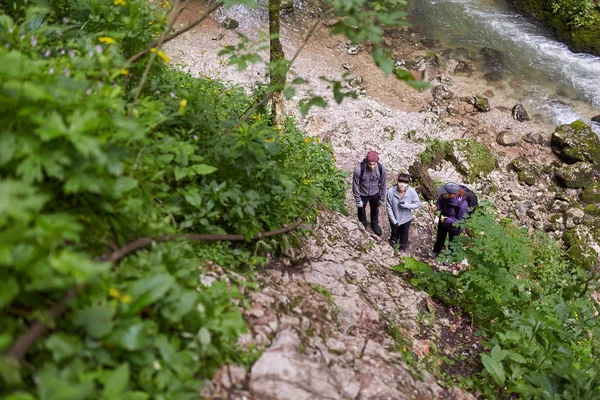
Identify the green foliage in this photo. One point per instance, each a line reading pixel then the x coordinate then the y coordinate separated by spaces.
pixel 577 13
pixel 84 170
pixel 533 308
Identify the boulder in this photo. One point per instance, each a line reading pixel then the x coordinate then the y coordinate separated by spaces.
pixel 528 177
pixel 596 118
pixel 519 113
pixel 535 138
pixel 576 175
pixel 287 6
pixel 470 158
pixel 441 92
pixel 462 67
pixel 519 164
pixel 229 23
pixel 573 216
pixel 591 194
pixel 493 61
pixel 576 142
pixel 482 103
pixel 508 138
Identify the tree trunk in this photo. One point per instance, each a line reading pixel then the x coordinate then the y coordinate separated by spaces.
pixel 277 65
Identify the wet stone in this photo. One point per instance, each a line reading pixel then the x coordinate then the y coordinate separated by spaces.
pixel 519 113
pixel 347 66
pixel 230 23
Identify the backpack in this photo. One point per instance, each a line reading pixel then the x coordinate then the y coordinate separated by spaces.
pixel 363 165
pixel 470 197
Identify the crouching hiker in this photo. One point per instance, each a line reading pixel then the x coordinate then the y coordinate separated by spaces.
pixel 400 201
pixel 453 206
pixel 368 187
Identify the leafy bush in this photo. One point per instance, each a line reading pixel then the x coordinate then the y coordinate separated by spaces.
pixel 536 312
pixel 85 168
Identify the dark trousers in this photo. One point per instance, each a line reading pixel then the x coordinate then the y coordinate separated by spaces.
pixel 400 234
pixel 373 202
pixel 440 239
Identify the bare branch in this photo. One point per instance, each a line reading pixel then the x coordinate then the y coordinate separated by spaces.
pixel 193 24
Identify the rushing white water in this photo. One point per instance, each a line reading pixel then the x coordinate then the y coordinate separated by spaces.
pixel 553 70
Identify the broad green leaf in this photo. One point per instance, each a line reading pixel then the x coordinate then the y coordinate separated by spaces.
pixel 9 289
pixel 96 320
pixel 497 353
pixel 52 386
pixel 516 357
pixel 63 346
pixel 124 184
pixel 494 368
pixel 5 340
pixel 204 336
pixel 117 382
pixel 203 169
pixel 132 337
pixel 20 396
pixel 289 92
pixel 180 173
pixel 146 291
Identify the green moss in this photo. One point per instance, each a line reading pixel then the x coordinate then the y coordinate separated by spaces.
pixel 578 124
pixel 592 209
pixel 591 194
pixel 585 257
pixel 471 158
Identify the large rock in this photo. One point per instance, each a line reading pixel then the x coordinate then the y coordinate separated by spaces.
pixel 470 158
pixel 441 92
pixel 519 113
pixel 230 23
pixel 482 103
pixel 576 142
pixel 493 61
pixel 591 194
pixel 508 138
pixel 596 118
pixel 576 175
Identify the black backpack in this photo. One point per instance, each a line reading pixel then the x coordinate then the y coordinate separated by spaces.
pixel 363 165
pixel 470 197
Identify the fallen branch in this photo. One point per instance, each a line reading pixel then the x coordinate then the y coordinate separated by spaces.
pixel 39 329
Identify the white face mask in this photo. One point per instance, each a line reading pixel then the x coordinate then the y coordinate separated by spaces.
pixel 402 186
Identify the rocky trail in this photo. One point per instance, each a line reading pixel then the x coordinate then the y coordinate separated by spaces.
pixel 334 317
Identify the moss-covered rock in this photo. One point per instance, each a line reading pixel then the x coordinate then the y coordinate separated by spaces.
pixel 576 175
pixel 592 209
pixel 470 158
pixel 528 177
pixel 576 142
pixel 482 104
pixel 584 256
pixel 591 194
pixel 576 236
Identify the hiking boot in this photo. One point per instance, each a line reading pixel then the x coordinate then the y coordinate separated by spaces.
pixel 376 229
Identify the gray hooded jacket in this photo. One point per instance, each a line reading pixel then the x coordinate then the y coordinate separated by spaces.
pixel 400 210
pixel 371 184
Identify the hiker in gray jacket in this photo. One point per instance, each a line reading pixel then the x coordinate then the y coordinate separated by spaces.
pixel 368 186
pixel 400 201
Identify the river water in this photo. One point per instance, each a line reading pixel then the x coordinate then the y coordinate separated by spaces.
pixel 558 83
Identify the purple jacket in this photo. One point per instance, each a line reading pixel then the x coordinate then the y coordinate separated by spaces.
pixel 451 209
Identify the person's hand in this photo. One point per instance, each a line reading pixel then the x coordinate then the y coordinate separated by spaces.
pixel 401 205
pixel 433 208
pixel 442 218
pixel 360 204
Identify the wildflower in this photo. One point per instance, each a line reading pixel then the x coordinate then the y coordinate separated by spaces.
pixel 71 54
pixel 113 292
pixel 47 53
pixel 126 299
pixel 67 72
pixel 88 92
pixel 182 104
pixel 99 49
pixel 62 52
pixel 161 54
pixel 269 140
pixel 33 41
pixel 218 216
pixel 576 315
pixel 124 71
pixel 307 140
pixel 119 2
pixel 65 20
pixel 307 181
pixel 51 71
pixel 172 95
pixel 106 39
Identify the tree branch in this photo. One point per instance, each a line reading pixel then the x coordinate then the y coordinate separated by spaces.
pixel 39 329
pixel 193 24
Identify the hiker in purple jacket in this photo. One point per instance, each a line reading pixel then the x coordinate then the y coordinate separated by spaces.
pixel 368 186
pixel 452 209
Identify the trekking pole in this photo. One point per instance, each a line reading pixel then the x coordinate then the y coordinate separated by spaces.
pixel 430 203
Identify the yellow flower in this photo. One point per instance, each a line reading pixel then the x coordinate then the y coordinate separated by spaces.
pixel 124 71
pixel 119 2
pixel 125 299
pixel 269 140
pixel 182 104
pixel 307 140
pixel 114 293
pixel 106 39
pixel 307 181
pixel 218 216
pixel 161 54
